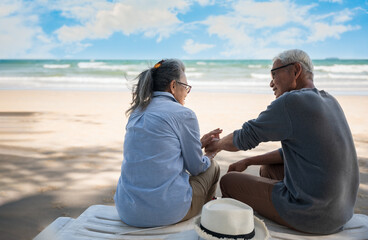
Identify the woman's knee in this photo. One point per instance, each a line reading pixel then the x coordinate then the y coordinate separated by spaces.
pixel 217 168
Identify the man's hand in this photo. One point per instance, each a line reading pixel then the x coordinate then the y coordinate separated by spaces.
pixel 239 166
pixel 213 135
pixel 212 146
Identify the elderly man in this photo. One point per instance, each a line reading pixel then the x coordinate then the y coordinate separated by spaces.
pixel 311 183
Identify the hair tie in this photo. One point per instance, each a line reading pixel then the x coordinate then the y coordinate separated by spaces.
pixel 157 65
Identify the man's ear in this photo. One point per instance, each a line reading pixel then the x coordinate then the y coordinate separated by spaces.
pixel 297 70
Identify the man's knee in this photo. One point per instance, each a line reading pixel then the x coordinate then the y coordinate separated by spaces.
pixel 272 171
pixel 226 182
pixel 264 171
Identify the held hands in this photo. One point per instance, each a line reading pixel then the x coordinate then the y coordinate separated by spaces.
pixel 212 146
pixel 211 136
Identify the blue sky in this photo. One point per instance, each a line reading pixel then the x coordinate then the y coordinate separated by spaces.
pixel 185 29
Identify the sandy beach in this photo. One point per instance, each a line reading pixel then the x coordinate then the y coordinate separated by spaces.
pixel 61 151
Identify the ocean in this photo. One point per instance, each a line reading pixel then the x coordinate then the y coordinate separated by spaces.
pixel 342 77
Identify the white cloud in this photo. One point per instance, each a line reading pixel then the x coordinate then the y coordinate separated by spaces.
pixel 206 2
pixel 321 31
pixel 23 36
pixel 192 48
pixel 343 16
pixel 81 10
pixel 8 7
pixel 152 18
pixel 289 36
pixel 332 1
pixel 20 34
pixel 269 25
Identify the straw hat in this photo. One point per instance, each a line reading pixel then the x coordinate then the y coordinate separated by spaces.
pixel 228 218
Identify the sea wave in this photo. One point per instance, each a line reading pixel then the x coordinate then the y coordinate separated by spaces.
pixel 194 74
pixel 339 68
pixel 340 76
pixel 68 80
pixel 56 66
pixel 260 76
pixel 133 73
pixel 90 64
pixel 231 83
pixel 254 66
pixel 102 65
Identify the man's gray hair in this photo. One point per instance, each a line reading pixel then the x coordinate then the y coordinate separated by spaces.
pixel 296 55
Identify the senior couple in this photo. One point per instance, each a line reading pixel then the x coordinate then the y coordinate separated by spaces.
pixel 309 184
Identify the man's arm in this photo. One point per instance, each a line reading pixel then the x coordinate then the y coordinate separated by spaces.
pixel 273 157
pixel 225 143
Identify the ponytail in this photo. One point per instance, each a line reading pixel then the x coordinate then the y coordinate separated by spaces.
pixel 142 91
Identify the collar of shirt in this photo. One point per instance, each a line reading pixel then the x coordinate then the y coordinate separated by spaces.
pixel 164 94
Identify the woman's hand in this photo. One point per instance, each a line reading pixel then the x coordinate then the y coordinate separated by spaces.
pixel 207 138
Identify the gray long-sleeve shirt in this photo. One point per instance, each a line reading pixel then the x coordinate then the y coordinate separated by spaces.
pixel 321 180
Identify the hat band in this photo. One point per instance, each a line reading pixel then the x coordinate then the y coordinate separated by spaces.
pixel 220 235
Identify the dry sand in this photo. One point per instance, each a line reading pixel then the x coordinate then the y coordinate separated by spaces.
pixel 61 152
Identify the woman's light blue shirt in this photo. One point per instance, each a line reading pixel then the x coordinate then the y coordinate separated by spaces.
pixel 162 144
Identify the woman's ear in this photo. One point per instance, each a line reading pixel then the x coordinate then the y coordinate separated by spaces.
pixel 172 87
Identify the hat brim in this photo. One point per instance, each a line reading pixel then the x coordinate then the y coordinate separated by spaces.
pixel 261 232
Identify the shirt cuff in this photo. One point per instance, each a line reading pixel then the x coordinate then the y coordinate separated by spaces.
pixel 281 153
pixel 207 161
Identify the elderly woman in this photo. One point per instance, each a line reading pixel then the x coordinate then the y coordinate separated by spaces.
pixel 165 178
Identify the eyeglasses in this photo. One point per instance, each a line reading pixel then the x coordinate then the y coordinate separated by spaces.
pixel 274 69
pixel 186 86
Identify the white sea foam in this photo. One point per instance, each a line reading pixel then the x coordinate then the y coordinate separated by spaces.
pixel 340 76
pixel 343 83
pixel 102 65
pixel 254 66
pixel 133 73
pixel 260 76
pixel 90 64
pixel 74 83
pixel 338 68
pixel 201 63
pixel 56 66
pixel 230 83
pixel 194 74
pixel 69 80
